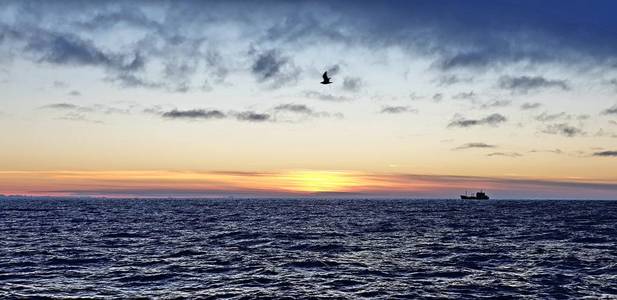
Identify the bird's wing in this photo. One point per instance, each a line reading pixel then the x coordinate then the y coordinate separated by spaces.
pixel 325 76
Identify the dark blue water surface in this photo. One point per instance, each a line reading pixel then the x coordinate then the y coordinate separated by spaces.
pixel 389 249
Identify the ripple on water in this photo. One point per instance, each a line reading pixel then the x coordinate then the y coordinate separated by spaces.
pixel 278 249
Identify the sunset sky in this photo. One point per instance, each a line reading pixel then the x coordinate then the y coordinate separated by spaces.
pixel 222 98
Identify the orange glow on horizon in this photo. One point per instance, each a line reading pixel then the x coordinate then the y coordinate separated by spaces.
pixel 293 182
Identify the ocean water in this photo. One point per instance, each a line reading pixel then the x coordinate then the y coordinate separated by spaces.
pixel 242 249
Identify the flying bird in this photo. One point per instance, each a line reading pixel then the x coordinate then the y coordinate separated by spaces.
pixel 326 79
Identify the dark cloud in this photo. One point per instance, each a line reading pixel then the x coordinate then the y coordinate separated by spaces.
pixel 545 117
pixel 610 111
pixel 530 105
pixel 491 120
pixel 303 110
pixel 613 83
pixel 465 95
pixel 606 153
pixel 555 151
pixel 94 108
pixel 447 80
pixel 525 84
pixel 495 103
pixel 128 80
pixel 67 106
pixel 564 129
pixel 63 48
pixel 397 110
pixel 334 70
pixel 216 67
pixel 506 154
pixel 492 34
pixel 438 97
pixel 325 97
pixel 296 108
pixel 352 84
pixel 74 93
pixel 251 116
pixel 193 114
pixel 132 17
pixel 474 145
pixel 476 59
pixel 273 67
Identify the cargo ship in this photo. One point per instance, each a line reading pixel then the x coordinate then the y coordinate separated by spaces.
pixel 479 196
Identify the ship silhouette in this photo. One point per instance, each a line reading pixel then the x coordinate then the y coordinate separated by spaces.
pixel 479 196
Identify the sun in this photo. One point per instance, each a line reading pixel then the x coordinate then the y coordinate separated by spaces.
pixel 318 181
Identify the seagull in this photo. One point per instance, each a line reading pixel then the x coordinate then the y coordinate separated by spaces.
pixel 326 79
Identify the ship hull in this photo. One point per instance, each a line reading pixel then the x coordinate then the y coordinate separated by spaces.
pixel 473 198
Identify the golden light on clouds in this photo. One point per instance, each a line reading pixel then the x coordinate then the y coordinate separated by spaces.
pixel 160 183
pixel 319 181
pixel 95 182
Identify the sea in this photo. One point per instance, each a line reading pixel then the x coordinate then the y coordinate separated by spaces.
pixel 307 248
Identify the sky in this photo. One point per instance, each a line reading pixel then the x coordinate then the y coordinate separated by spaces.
pixel 222 98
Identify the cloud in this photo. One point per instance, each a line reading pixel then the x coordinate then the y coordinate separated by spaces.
pixel 128 80
pixel 530 105
pixel 334 70
pixel 193 114
pixel 59 84
pixel 564 129
pixel 491 120
pixel 61 48
pixel 325 97
pixel 610 111
pixel 495 103
pixel 74 93
pixel 251 116
pixel 495 34
pixel 61 106
pixel 268 64
pixel 296 108
pixel 525 84
pixel 413 96
pixel 78 117
pixel 69 107
pixel 474 145
pixel 555 151
pixel 280 113
pixel 271 66
pixel 397 110
pixel 437 97
pixel 447 80
pixel 302 109
pixel 155 110
pixel 465 95
pixel 352 84
pixel 606 153
pixel 506 154
pixel 93 108
pixel 544 117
